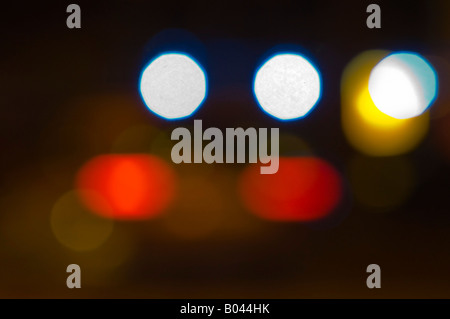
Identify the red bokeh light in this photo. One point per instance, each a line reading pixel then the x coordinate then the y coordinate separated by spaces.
pixel 126 186
pixel 303 189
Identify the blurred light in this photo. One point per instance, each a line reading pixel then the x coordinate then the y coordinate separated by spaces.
pixel 303 189
pixel 126 186
pixel 367 128
pixel 75 227
pixel 105 262
pixel 208 206
pixel 287 86
pixel 173 85
pixel 383 183
pixel 200 208
pixel 403 85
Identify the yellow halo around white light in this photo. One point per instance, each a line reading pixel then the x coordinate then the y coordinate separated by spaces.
pixel 402 85
pixel 173 85
pixel 287 86
pixel 367 128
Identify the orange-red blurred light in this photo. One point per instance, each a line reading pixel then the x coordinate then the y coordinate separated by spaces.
pixel 126 186
pixel 303 189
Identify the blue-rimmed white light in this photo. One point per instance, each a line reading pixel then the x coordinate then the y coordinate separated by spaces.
pixel 403 85
pixel 173 85
pixel 287 86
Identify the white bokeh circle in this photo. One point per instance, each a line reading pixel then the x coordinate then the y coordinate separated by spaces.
pixel 287 86
pixel 173 85
pixel 403 85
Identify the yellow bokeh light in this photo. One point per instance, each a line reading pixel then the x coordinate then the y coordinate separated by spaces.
pixel 371 114
pixel 368 129
pixel 77 228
